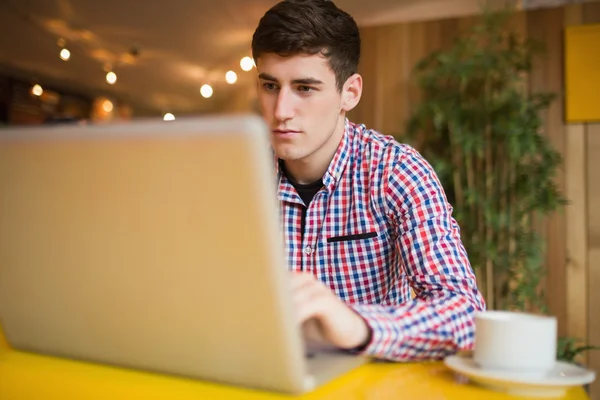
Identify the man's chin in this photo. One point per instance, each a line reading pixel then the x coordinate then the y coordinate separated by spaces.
pixel 285 153
pixel 288 157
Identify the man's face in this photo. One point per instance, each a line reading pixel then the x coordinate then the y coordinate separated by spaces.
pixel 300 102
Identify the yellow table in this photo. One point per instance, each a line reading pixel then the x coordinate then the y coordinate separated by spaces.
pixel 25 376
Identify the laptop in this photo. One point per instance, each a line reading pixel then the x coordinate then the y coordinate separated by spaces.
pixel 154 246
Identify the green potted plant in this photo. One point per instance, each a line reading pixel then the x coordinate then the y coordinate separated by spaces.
pixel 480 127
pixel 569 351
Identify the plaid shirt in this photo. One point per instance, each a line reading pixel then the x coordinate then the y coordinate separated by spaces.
pixel 380 226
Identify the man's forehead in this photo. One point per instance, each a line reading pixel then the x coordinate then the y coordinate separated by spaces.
pixel 295 67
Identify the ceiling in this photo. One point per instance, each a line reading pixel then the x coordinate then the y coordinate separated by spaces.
pixel 161 50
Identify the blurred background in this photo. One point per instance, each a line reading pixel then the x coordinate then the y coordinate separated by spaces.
pixel 505 127
pixel 77 57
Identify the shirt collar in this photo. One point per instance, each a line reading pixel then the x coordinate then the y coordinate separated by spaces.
pixel 340 158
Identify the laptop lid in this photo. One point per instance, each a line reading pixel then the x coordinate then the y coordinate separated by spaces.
pixel 150 244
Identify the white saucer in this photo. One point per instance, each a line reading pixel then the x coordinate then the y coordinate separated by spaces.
pixel 554 384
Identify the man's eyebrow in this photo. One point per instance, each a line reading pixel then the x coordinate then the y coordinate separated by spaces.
pixel 301 81
pixel 307 81
pixel 267 77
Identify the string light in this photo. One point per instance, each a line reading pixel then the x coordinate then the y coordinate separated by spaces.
pixel 37 90
pixel 246 63
pixel 107 106
pixel 65 54
pixel 206 91
pixel 111 78
pixel 231 77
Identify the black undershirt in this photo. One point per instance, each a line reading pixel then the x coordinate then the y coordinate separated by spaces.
pixel 306 191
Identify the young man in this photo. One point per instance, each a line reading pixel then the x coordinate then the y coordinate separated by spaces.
pixel 365 217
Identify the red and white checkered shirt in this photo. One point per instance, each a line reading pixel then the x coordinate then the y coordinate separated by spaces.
pixel 381 225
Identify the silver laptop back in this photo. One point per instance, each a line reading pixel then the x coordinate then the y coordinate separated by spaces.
pixel 149 245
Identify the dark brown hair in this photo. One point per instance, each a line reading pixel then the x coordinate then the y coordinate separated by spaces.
pixel 309 27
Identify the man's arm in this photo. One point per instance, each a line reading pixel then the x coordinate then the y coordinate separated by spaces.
pixel 439 320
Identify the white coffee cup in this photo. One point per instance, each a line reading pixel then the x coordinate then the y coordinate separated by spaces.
pixel 515 342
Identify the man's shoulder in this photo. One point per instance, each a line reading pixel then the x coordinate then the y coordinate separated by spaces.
pixel 380 145
pixel 398 161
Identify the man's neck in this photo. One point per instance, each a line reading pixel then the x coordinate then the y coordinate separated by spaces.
pixel 313 167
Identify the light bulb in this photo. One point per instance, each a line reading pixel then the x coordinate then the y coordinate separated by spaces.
pixel 206 91
pixel 65 54
pixel 231 77
pixel 111 78
pixel 246 63
pixel 169 117
pixel 37 90
pixel 107 106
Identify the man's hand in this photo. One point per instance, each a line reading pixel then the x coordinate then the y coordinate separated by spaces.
pixel 335 321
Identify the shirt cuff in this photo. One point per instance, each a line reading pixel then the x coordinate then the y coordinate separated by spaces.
pixel 384 331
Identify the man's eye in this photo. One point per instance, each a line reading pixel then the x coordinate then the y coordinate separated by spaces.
pixel 305 89
pixel 269 86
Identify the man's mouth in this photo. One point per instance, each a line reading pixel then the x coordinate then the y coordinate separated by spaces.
pixel 285 132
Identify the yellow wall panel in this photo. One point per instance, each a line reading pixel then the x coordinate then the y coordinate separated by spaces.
pixel 582 73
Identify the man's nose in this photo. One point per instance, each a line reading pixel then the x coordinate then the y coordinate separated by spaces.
pixel 284 108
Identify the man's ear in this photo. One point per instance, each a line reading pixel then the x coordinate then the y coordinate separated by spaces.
pixel 351 92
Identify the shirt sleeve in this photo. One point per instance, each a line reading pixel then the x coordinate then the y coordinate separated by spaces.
pixel 439 320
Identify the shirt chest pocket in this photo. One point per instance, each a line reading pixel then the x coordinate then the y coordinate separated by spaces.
pixel 355 266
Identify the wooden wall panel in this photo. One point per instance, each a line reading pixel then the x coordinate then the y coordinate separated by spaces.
pixel 573 14
pixel 547 76
pixel 389 55
pixel 366 111
pixel 593 232
pixel 583 233
pixel 390 68
pixel 591 12
pixel 576 231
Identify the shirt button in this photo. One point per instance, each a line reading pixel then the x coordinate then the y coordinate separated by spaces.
pixel 308 250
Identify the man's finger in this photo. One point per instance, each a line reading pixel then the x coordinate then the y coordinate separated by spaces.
pixel 309 301
pixel 300 279
pixel 305 292
pixel 311 307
